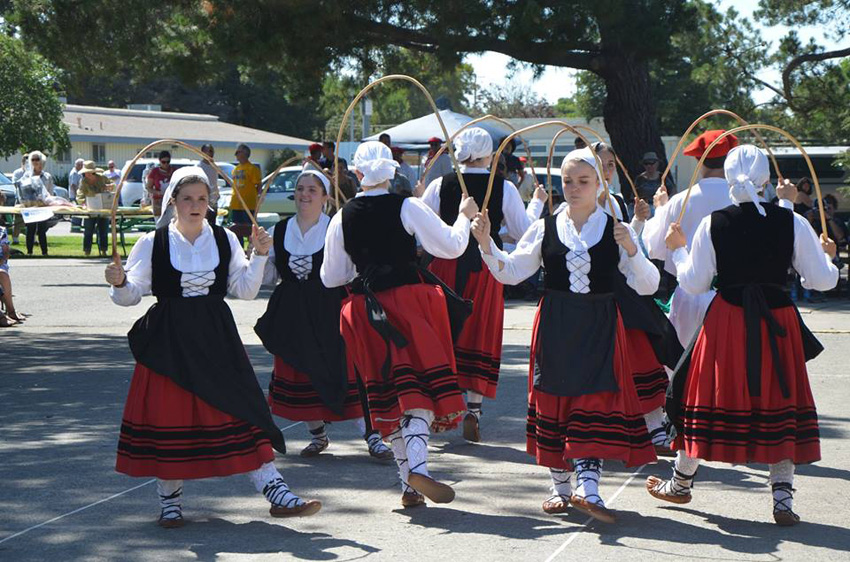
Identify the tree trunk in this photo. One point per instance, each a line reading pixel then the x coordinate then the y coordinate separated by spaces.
pixel 629 113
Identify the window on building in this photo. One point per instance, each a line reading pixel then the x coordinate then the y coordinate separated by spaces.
pixel 64 155
pixel 98 153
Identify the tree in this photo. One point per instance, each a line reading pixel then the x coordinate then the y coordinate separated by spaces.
pixel 513 101
pixel 29 102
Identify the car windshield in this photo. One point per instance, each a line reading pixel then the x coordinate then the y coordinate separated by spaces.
pixel 556 181
pixel 285 181
pixel 4 180
pixel 136 172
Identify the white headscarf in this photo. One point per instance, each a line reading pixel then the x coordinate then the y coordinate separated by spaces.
pixel 375 161
pixel 747 170
pixel 176 178
pixel 472 144
pixel 309 170
pixel 583 155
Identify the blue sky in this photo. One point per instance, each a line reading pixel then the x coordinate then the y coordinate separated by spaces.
pixel 557 82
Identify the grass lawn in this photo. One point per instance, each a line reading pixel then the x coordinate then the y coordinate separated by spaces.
pixel 66 247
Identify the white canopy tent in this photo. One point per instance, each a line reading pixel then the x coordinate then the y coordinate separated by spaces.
pixel 414 134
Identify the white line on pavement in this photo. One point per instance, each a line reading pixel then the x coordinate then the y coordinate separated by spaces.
pixel 98 502
pixel 583 526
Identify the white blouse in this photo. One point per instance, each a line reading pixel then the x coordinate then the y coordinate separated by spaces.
pixel 301 247
pixel 696 270
pixel 435 236
pixel 517 217
pixel 196 262
pixel 513 268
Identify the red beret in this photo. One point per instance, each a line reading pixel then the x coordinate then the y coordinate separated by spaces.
pixel 697 148
pixel 434 139
pixel 397 150
pixel 315 146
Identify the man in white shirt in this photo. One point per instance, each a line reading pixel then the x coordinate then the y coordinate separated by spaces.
pixel 75 176
pixel 710 194
pixel 111 173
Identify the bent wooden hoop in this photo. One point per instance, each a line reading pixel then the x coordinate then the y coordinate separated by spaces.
pixel 697 122
pixel 748 127
pixel 280 168
pixel 564 125
pixel 616 158
pixel 433 105
pixel 475 122
pixel 141 153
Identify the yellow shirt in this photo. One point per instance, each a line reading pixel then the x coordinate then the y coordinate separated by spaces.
pixel 246 180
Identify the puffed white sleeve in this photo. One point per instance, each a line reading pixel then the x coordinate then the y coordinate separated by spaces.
pixel 431 197
pixel 640 274
pixel 696 270
pixel 816 270
pixel 337 267
pixel 517 218
pixel 244 276
pixel 655 232
pixel 139 271
pixel 436 237
pixel 270 275
pixel 515 267
pixel 786 204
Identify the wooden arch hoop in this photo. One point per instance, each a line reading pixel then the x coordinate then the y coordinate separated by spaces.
pixel 475 122
pixel 190 148
pixel 563 125
pixel 753 127
pixel 279 169
pixel 616 158
pixel 433 105
pixel 697 122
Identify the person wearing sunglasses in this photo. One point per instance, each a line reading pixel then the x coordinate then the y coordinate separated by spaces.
pixel 157 181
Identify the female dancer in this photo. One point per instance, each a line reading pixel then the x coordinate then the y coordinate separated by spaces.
pixel 478 349
pixel 311 381
pixel 582 402
pixel 194 409
pixel 743 395
pixel 396 325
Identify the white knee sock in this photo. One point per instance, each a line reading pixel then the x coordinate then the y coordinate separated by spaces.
pixel 684 470
pixel 588 471
pixel 400 453
pixel 170 498
pixel 561 485
pixel 655 426
pixel 782 482
pixel 416 429
pixel 473 402
pixel 268 481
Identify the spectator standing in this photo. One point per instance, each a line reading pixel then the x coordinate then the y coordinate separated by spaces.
pixel 327 161
pixel 441 167
pixel 385 138
pixel 157 181
pixel 212 177
pixel 74 177
pixel 405 168
pixel 513 167
pixel 316 152
pixel 648 181
pixel 35 186
pixel 9 312
pixel 94 183
pixel 111 173
pixel 246 180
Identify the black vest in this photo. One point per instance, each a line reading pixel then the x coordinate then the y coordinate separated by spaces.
pixel 752 249
pixel 604 257
pixel 476 185
pixel 165 279
pixel 281 256
pixel 374 235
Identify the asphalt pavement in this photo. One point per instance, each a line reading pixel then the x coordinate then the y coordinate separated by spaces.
pixel 64 376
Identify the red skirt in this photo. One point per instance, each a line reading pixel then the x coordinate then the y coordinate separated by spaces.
pixel 605 425
pixel 170 433
pixel 722 422
pixel 649 376
pixel 422 374
pixel 478 349
pixel 292 396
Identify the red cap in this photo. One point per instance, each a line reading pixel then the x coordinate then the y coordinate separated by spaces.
pixel 397 150
pixel 697 148
pixel 435 139
pixel 315 146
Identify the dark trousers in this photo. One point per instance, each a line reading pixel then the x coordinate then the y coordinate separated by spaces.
pixel 101 226
pixel 40 229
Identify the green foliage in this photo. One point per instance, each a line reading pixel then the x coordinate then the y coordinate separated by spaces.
pixel 29 102
pixel 512 101
pixel 278 157
pixel 566 107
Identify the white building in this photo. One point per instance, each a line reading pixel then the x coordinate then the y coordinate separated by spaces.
pixel 102 134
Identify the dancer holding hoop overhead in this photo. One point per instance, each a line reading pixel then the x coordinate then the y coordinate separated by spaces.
pixel 478 349
pixel 396 325
pixel 742 395
pixel 582 402
pixel 311 381
pixel 194 409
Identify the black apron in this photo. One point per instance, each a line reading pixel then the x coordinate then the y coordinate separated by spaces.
pixel 194 341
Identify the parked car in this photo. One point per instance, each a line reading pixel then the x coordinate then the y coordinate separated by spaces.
pixel 8 189
pixel 280 198
pixel 133 191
